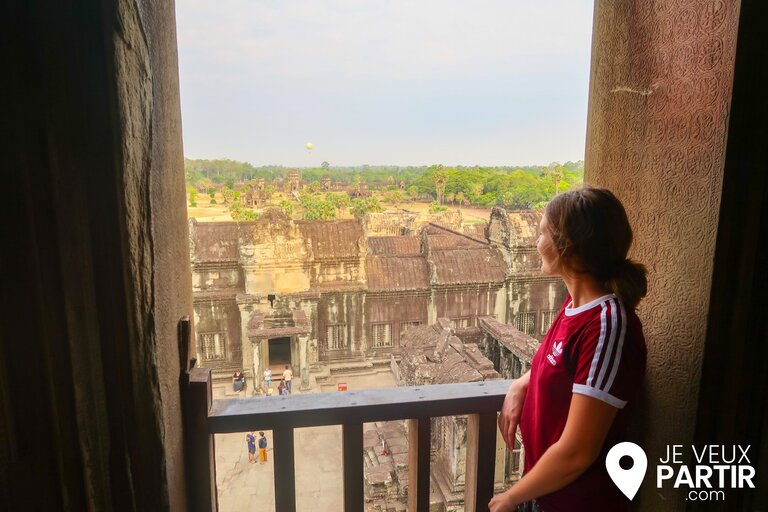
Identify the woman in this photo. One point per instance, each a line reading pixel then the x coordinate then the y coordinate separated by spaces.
pixel 571 404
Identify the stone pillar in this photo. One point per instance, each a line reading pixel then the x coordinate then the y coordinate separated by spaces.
pixel 304 361
pixel 246 343
pixel 257 365
pixel 659 101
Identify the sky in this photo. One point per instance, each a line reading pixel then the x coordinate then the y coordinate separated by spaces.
pixel 418 82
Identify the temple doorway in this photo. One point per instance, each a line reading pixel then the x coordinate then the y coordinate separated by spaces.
pixel 279 354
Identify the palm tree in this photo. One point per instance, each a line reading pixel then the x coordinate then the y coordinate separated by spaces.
pixel 439 176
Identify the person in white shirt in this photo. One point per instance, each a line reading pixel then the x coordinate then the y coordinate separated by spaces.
pixel 287 378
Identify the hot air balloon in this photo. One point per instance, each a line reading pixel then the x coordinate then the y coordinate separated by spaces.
pixel 309 146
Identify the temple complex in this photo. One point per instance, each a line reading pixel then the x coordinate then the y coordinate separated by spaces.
pixel 442 354
pixel 323 294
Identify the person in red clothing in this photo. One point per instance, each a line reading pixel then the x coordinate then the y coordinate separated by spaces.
pixel 573 404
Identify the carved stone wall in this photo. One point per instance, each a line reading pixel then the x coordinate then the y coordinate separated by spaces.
pixel 660 93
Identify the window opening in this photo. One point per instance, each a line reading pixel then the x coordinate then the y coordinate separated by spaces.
pixel 526 322
pixel 336 337
pixel 460 323
pixel 404 326
pixel 381 335
pixel 212 345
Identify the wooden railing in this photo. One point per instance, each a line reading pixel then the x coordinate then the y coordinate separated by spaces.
pixel 204 417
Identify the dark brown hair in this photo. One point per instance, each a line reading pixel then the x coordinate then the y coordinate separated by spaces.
pixel 592 235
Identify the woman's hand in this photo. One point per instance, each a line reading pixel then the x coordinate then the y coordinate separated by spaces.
pixel 503 503
pixel 509 417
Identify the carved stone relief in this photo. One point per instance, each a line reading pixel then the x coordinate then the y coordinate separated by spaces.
pixel 660 92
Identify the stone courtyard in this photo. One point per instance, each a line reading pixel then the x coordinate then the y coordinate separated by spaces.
pixel 250 487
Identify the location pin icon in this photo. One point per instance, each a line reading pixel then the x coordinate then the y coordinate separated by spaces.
pixel 627 480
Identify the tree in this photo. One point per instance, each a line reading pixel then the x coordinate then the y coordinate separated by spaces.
pixel 315 208
pixel 339 200
pixel 523 190
pixel 211 194
pixel 192 196
pixel 269 191
pixel 555 173
pixel 450 197
pixel 286 206
pixel 413 192
pixel 236 211
pixel 249 215
pixel 314 187
pixel 439 177
pixel 325 165
pixel 435 207
pixel 228 194
pixel 475 191
pixel 460 198
pixel 360 207
pixel 394 197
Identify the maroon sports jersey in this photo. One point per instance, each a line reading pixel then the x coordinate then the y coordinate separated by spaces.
pixel 596 350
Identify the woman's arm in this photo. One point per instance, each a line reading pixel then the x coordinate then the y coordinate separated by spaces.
pixel 589 420
pixel 509 417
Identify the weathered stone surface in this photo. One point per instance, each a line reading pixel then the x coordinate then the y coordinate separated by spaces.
pixel 359 293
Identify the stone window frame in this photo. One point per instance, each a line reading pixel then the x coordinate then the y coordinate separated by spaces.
pixel 457 321
pixel 525 322
pixel 547 317
pixel 409 324
pixel 207 345
pixel 336 332
pixel 387 327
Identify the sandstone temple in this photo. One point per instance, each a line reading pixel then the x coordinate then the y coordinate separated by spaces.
pixel 277 291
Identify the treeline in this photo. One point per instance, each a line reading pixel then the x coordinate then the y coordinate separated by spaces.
pixel 509 186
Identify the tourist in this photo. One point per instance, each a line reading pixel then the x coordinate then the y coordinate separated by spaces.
pixel 267 378
pixel 287 378
pixel 250 440
pixel 570 405
pixel 262 448
pixel 238 381
pixel 282 389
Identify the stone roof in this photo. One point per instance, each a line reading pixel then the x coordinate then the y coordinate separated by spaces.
pixel 332 239
pixel 394 246
pixel 475 230
pixel 450 241
pixel 515 340
pixel 468 266
pixel 397 273
pixel 214 242
pixel 432 354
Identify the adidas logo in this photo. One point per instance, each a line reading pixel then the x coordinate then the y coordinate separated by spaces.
pixel 557 349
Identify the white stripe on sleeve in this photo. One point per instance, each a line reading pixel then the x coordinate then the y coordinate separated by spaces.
pixel 611 344
pixel 617 360
pixel 599 348
pixel 600 395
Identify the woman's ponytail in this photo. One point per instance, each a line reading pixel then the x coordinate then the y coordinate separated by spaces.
pixel 628 281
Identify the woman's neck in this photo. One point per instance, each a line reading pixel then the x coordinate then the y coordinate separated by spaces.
pixel 583 288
